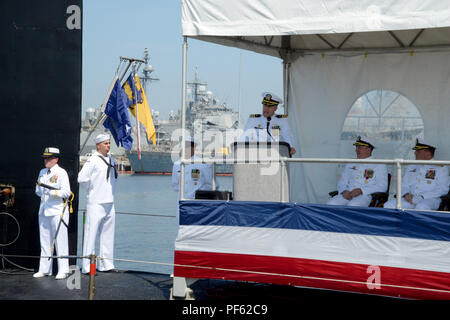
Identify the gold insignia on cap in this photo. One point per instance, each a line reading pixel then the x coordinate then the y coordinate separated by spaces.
pixel 422 146
pixel 50 152
pixel 359 142
pixel 268 101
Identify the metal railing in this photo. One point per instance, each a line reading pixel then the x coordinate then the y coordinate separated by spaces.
pixel 398 163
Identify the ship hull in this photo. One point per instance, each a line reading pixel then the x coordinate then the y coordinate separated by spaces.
pixel 40 96
pixel 161 163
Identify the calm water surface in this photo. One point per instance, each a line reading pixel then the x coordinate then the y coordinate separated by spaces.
pixel 144 238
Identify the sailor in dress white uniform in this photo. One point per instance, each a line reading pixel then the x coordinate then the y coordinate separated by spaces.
pixel 98 176
pixel 422 185
pixel 50 210
pixel 268 126
pixel 360 180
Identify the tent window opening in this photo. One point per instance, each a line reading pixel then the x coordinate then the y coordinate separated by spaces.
pixel 388 119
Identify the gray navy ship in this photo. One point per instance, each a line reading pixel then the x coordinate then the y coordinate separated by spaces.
pixel 204 114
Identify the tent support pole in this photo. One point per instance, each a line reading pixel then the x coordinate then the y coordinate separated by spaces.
pixel 286 67
pixel 180 287
pixel 183 117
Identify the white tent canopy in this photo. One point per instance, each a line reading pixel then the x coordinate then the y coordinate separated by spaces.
pixel 334 52
pixel 268 26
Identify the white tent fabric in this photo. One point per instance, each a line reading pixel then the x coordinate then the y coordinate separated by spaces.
pixel 266 26
pixel 281 17
pixel 338 51
pixel 322 100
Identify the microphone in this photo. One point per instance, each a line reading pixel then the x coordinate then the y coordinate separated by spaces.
pixel 267 128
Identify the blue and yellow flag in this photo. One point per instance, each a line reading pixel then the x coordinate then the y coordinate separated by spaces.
pixel 117 121
pixel 144 114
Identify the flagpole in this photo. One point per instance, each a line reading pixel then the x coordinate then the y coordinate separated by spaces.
pixel 101 116
pixel 125 72
pixel 133 71
pixel 130 62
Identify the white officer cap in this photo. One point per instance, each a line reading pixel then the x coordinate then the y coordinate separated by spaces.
pixel 363 141
pixel 101 138
pixel 271 99
pixel 50 152
pixel 429 145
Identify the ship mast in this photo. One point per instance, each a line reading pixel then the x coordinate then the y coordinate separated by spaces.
pixel 146 72
pixel 195 85
pixel 146 78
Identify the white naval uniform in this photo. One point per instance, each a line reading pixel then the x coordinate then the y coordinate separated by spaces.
pixel 50 210
pixel 368 177
pixel 197 176
pixel 258 128
pixel 100 213
pixel 427 183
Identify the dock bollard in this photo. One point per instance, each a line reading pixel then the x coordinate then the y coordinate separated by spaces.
pixel 92 277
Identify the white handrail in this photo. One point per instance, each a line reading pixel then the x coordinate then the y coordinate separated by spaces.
pixel 315 160
pixel 397 162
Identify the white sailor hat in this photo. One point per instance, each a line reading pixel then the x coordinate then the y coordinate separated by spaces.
pixel 50 152
pixel 101 138
pixel 271 99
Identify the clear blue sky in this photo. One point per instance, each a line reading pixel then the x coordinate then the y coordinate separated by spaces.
pixel 114 28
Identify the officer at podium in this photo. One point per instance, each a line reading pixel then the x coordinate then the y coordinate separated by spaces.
pixel 268 126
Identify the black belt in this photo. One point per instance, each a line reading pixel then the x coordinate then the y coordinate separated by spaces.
pixel 109 166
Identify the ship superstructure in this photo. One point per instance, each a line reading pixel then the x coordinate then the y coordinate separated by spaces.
pixel 205 118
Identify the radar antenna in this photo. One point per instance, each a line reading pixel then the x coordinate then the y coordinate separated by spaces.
pixel 146 72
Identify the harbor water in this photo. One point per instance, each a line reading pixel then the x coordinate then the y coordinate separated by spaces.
pixel 146 221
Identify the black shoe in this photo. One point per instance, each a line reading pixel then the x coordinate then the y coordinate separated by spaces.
pixel 109 271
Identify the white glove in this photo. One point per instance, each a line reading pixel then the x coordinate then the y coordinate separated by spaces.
pixel 417 199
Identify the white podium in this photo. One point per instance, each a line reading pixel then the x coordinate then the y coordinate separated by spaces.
pixel 261 181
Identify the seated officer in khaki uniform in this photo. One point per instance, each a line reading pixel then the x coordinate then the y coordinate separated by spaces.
pixel 268 126
pixel 360 180
pixel 422 185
